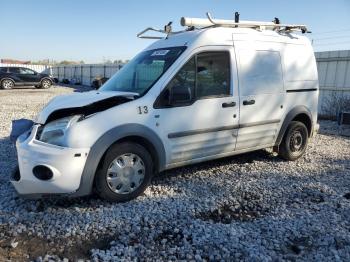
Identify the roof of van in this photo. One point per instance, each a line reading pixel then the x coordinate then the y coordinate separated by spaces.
pixel 226 36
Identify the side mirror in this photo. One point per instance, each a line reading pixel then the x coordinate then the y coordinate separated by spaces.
pixel 180 95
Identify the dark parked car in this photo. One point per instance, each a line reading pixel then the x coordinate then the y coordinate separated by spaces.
pixel 21 76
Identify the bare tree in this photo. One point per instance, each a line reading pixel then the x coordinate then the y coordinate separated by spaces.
pixel 334 103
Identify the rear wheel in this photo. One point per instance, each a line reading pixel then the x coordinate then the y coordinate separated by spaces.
pixel 7 84
pixel 126 172
pixel 294 142
pixel 45 83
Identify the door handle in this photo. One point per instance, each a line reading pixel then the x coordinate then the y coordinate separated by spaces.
pixel 248 102
pixel 230 104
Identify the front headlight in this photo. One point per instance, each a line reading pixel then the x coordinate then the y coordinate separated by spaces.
pixel 55 131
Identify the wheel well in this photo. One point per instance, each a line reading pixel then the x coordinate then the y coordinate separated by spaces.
pixel 7 78
pixel 305 119
pixel 141 141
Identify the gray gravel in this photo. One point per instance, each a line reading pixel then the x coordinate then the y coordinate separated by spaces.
pixel 249 207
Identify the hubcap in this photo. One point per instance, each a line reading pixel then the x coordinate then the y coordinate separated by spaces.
pixel 125 173
pixel 7 84
pixel 296 141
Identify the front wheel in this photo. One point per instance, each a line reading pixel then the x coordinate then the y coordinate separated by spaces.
pixel 45 84
pixel 7 84
pixel 126 172
pixel 294 142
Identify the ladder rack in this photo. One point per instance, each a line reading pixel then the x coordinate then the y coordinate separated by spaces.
pixel 198 23
pixel 167 30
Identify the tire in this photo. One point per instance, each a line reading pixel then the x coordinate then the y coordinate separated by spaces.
pixel 45 83
pixel 294 142
pixel 7 84
pixel 126 171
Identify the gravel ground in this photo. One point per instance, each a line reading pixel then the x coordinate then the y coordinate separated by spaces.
pixel 252 207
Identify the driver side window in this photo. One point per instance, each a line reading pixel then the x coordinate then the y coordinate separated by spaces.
pixel 180 90
pixel 205 75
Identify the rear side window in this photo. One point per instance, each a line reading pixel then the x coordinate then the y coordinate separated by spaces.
pixel 26 71
pixel 213 74
pixel 260 72
pixel 3 69
pixel 14 70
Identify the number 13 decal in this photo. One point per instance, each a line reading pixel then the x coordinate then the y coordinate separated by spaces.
pixel 142 110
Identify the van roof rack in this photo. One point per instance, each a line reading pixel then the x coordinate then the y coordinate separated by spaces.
pixel 167 30
pixel 198 23
pixel 260 25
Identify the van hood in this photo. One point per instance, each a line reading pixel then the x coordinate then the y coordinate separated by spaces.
pixel 82 103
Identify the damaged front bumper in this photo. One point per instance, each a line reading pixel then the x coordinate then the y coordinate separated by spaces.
pixel 46 169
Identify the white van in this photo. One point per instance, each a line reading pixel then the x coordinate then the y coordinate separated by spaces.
pixel 217 89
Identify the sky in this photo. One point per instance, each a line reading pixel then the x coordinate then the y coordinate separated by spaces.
pixel 95 31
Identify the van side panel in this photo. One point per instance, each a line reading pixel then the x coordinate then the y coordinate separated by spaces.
pixel 300 78
pixel 299 64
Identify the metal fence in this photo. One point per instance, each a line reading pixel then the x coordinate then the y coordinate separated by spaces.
pixel 86 73
pixel 334 80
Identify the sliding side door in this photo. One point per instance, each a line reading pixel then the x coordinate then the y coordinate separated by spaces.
pixel 261 94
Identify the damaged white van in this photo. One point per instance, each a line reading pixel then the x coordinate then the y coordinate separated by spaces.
pixel 217 89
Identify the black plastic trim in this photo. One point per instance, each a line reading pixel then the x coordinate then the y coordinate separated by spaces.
pixel 201 131
pixel 248 102
pixel 259 123
pixel 218 129
pixel 42 172
pixel 289 117
pixel 228 104
pixel 301 90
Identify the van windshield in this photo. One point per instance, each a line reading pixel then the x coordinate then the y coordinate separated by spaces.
pixel 141 73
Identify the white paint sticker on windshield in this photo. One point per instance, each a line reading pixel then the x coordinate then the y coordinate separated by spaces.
pixel 160 52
